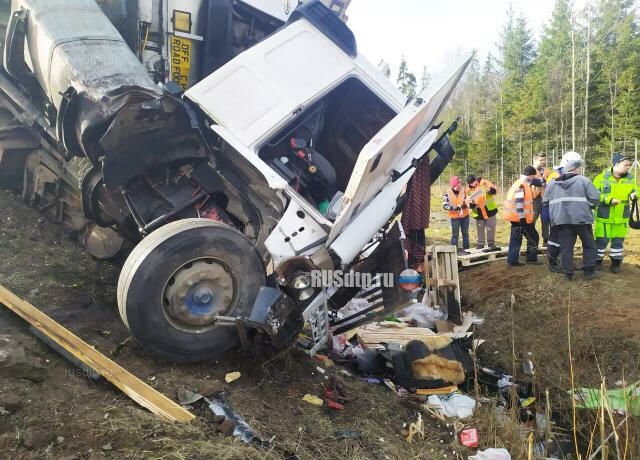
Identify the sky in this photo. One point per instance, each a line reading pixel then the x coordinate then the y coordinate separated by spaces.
pixel 434 33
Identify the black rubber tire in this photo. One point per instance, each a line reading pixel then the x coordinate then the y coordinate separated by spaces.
pixel 156 258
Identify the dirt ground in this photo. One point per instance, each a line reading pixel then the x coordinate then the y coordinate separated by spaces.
pixel 56 412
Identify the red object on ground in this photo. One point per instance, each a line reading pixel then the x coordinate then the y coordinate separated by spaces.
pixel 469 437
pixel 333 404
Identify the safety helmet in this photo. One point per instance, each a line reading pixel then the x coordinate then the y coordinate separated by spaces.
pixel 569 156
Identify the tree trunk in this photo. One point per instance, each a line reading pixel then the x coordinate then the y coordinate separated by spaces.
pixel 585 140
pixel 573 80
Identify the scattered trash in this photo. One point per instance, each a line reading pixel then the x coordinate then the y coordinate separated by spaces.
pixel 4 411
pixel 231 376
pixel 60 439
pixel 107 446
pixel 528 401
pixel 491 454
pixel 313 400
pixel 469 438
pixel 236 424
pixel 320 370
pixel 436 391
pixel 620 400
pixel 423 315
pixel 527 367
pixel 415 429
pixel 334 404
pixel 452 405
pixel 348 434
pixel 186 397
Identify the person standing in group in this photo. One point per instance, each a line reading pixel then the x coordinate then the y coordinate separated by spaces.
pixel 618 189
pixel 540 164
pixel 481 198
pixel 458 211
pixel 571 199
pixel 553 242
pixel 518 209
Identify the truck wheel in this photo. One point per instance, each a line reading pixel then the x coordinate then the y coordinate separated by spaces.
pixel 179 278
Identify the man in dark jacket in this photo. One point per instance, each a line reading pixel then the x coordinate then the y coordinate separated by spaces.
pixel 571 199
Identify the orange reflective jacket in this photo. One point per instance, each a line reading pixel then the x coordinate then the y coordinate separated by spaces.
pixel 456 201
pixel 510 209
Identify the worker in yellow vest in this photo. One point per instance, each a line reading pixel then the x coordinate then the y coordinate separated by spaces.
pixel 518 209
pixel 540 163
pixel 481 198
pixel 453 201
pixel 618 191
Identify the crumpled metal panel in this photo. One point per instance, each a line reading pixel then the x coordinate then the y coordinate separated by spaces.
pixel 72 44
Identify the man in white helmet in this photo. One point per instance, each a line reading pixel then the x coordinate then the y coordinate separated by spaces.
pixel 571 199
pixel 553 241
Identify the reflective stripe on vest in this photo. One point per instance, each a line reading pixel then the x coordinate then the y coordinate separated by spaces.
pixel 510 211
pixel 457 201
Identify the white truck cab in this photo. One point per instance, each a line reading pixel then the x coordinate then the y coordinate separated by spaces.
pixel 232 167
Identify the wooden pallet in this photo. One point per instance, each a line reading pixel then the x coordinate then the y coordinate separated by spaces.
pixel 441 275
pixel 477 257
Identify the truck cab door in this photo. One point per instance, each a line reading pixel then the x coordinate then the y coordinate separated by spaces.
pixel 408 135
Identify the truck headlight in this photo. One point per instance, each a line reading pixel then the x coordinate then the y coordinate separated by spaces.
pixel 301 281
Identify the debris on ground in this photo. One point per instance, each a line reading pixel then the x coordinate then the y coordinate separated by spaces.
pixel 231 376
pixel 313 400
pixel 233 424
pixel 469 438
pixel 491 454
pixel 622 401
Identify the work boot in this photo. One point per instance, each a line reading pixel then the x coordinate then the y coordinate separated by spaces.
pixel 479 246
pixel 515 264
pixel 615 265
pixel 555 268
pixel 599 264
pixel 569 276
pixel 492 248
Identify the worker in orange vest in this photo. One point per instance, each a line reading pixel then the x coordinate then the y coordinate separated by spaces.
pixel 453 201
pixel 481 198
pixel 518 209
pixel 540 163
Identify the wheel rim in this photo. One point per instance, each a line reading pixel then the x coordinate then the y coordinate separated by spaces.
pixel 197 292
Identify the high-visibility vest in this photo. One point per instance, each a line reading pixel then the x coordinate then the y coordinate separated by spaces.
pixel 510 212
pixel 553 175
pixel 457 201
pixel 484 201
pixel 618 189
pixel 539 191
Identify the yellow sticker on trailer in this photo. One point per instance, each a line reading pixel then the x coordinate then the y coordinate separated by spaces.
pixel 181 50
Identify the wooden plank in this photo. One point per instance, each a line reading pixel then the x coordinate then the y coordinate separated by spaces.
pixel 128 383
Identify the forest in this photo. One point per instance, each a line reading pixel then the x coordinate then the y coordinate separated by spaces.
pixel 576 87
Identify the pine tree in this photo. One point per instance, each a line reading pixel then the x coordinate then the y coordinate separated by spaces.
pixel 406 80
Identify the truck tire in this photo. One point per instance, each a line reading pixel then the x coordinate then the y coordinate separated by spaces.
pixel 179 278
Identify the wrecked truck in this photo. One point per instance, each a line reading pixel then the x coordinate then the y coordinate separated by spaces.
pixel 231 150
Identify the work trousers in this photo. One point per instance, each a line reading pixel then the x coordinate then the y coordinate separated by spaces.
pixel 537 209
pixel 553 247
pixel 488 226
pixel 568 234
pixel 460 225
pixel 518 231
pixel 610 233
